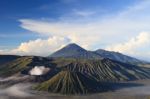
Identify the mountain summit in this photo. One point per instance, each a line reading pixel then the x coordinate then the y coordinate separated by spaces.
pixel 74 51
pixel 73 46
pixel 117 56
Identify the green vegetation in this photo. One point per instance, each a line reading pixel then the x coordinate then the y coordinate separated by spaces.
pixel 80 76
pixel 67 82
pixel 15 66
pixel 23 64
pixel 75 76
pixel 103 70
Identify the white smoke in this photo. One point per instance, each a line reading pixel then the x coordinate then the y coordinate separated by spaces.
pixel 39 70
pixel 13 78
pixel 18 90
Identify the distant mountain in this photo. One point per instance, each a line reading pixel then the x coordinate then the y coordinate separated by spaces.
pixel 7 58
pixel 74 51
pixel 118 56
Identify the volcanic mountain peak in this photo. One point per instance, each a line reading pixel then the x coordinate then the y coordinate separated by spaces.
pixel 67 82
pixel 117 56
pixel 74 51
pixel 73 46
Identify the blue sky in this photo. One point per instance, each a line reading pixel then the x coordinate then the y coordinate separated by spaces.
pixel 40 27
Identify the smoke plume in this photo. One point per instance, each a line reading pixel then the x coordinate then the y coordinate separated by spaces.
pixel 39 70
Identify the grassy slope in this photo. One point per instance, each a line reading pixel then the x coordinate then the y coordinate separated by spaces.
pixel 15 66
pixel 79 76
pixel 105 69
pixel 67 82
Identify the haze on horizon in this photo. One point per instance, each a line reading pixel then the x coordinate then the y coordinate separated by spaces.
pixel 40 27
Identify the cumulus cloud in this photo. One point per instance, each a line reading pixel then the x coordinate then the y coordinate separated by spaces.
pixel 135 46
pixel 39 70
pixel 42 47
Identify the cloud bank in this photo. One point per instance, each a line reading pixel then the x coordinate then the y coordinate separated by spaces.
pixel 135 46
pixel 40 47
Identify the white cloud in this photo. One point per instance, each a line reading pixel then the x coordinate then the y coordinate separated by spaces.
pixel 43 47
pixel 83 13
pixel 77 33
pixel 38 46
pixel 97 31
pixel 17 90
pixel 135 46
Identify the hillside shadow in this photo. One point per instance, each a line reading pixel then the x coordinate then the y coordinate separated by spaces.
pixel 122 85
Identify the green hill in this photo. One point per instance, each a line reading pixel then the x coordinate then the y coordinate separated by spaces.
pixel 104 70
pixel 81 76
pixel 23 65
pixel 67 82
pixel 75 76
pixel 14 66
pixel 74 51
